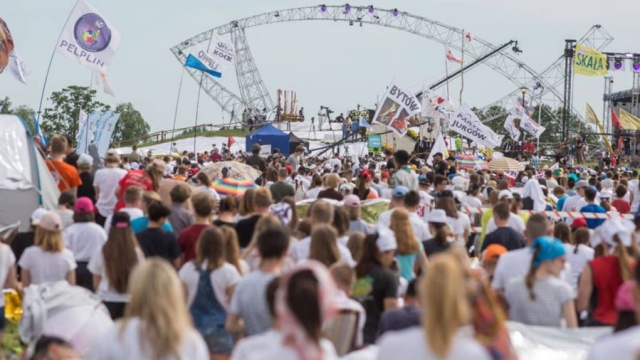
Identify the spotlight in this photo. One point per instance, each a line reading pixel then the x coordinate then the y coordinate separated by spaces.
pixel 617 64
pixel 376 17
pixel 323 8
pixel 347 9
pixel 636 65
pixel 629 55
pixel 371 9
pixel 277 14
pixel 351 23
pixel 395 12
pixel 516 49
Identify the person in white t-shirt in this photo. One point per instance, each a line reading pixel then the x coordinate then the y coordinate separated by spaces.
pixel 515 221
pixel 157 324
pixel 132 206
pixel 105 183
pixel 7 278
pixel 622 345
pixel 444 333
pixel 210 282
pixel 298 332
pixel 84 238
pixel 458 221
pixel 113 263
pixel 47 260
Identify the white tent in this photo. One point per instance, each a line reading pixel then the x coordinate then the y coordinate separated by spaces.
pixel 25 181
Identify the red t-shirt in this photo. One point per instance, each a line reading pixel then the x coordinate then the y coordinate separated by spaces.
pixel 621 205
pixel 606 281
pixel 188 238
pixel 133 178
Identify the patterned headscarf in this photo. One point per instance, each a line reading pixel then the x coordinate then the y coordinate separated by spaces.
pixel 294 334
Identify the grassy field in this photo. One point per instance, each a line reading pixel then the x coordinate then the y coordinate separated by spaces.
pixel 219 133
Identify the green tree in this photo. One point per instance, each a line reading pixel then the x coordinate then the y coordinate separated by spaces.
pixel 130 125
pixel 62 118
pixel 22 111
pixel 5 105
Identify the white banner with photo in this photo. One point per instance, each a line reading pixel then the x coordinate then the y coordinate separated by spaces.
pixel 398 107
pixel 512 127
pixel 527 124
pixel 467 124
pixel 105 126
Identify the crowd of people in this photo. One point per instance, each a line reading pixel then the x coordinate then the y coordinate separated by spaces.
pixel 185 272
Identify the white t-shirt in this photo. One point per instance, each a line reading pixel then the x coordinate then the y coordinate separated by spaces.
pixel 313 193
pixel 222 278
pixel 47 266
pixel 515 222
pixel 636 197
pixel 300 251
pixel 134 213
pixel 569 204
pixel 211 191
pixel 418 225
pixel 7 260
pixel 105 291
pixel 459 226
pixel 114 344
pixel 578 261
pixel 623 345
pixel 107 181
pixel 472 201
pixel 268 346
pixel 411 344
pixel 84 239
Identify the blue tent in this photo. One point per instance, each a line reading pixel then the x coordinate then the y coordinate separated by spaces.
pixel 269 135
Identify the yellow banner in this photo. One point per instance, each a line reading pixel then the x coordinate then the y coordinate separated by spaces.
pixel 590 62
pixel 627 118
pixel 592 118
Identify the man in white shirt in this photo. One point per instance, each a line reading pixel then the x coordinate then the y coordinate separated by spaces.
pixel 397 200
pixel 321 214
pixel 516 263
pixel 515 221
pixel 335 161
pixel 576 202
pixel 105 183
pixel 410 201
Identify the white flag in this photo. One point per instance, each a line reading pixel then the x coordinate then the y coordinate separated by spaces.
pixel 89 38
pixel 467 124
pixel 213 58
pixel 532 127
pixel 85 134
pixel 512 128
pixel 439 146
pixel 100 79
pixel 398 107
pixel 17 67
pixel 105 126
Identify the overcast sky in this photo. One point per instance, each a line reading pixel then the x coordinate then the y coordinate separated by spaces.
pixel 327 63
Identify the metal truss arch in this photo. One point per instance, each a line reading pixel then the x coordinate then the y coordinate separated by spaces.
pixel 503 62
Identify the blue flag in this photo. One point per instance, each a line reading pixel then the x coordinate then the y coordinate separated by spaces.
pixel 193 62
pixel 43 139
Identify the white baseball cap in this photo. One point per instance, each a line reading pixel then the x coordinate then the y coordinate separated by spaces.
pixel 386 239
pixel 505 193
pixel 37 215
pixel 437 216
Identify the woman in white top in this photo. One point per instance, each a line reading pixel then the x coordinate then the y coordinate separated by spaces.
pixel 156 324
pixel 446 313
pixel 458 221
pixel 578 254
pixel 112 265
pixel 105 183
pixel 47 260
pixel 7 278
pixel 541 298
pixel 210 282
pixel 316 187
pixel 303 303
pixel 204 184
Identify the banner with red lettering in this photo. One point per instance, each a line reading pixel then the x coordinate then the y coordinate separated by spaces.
pixel 398 109
pixel 89 38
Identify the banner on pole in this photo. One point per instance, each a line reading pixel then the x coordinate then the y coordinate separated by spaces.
pixel 398 108
pixel 6 45
pixel 105 126
pixel 89 38
pixel 212 59
pixel 439 146
pixel 590 62
pixel 84 136
pixel 467 124
pixel 512 125
pixel 527 124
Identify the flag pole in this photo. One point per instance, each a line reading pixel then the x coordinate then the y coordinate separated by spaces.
pixel 86 139
pixel 46 76
pixel 446 68
pixel 462 69
pixel 195 128
pixel 175 116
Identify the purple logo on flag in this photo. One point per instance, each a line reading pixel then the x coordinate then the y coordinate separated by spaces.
pixel 92 33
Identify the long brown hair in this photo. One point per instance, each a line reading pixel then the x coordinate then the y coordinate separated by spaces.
pixel 530 279
pixel 445 313
pixel 625 257
pixel 231 246
pixel 580 236
pixel 246 205
pixel 563 233
pixel 448 204
pixel 324 245
pixel 442 234
pixel 210 248
pixel 401 227
pixel 370 256
pixel 120 257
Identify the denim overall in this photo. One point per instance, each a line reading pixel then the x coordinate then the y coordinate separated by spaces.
pixel 209 316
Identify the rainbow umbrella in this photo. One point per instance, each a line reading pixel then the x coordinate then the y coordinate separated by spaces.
pixel 470 161
pixel 233 186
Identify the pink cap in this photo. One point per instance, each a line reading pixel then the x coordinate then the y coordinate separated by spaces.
pixel 84 205
pixel 352 200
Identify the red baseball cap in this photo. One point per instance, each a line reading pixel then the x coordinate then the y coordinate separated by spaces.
pixel 578 223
